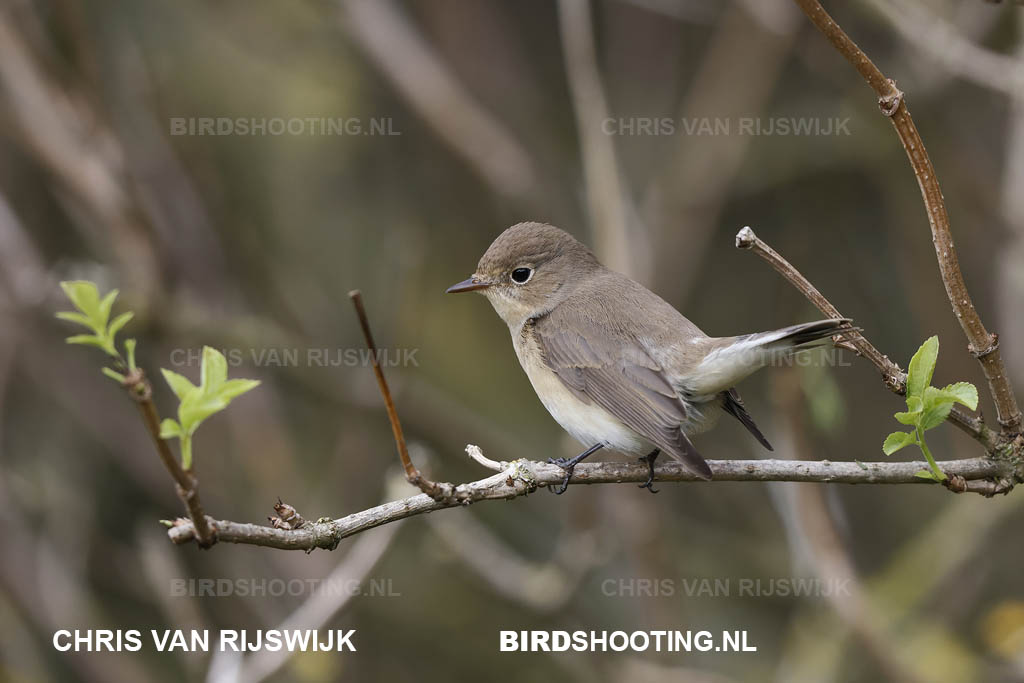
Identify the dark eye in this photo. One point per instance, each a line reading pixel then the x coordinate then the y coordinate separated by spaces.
pixel 522 275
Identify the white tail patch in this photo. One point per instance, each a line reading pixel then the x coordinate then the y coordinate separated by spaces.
pixel 725 366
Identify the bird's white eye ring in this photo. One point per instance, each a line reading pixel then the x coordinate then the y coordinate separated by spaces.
pixel 521 276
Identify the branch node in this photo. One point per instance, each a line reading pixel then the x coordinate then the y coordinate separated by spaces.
pixel 890 103
pixel 745 238
pixel 287 518
pixel 992 347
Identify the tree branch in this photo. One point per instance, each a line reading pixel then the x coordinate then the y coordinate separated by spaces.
pixel 522 477
pixel 432 489
pixel 185 483
pixel 981 343
pixel 892 374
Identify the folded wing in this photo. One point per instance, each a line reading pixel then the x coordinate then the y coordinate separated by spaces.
pixel 609 368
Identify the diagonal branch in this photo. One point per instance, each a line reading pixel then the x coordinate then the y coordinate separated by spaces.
pixel 432 489
pixel 982 344
pixel 892 374
pixel 185 483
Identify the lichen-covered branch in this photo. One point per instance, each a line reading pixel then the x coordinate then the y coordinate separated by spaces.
pixel 522 477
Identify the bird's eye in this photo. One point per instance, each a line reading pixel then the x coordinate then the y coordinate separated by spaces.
pixel 521 276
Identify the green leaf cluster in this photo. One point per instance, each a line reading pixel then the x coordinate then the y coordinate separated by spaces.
pixel 214 393
pixel 93 313
pixel 196 403
pixel 927 406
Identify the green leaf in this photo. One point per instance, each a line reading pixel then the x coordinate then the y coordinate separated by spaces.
pixel 87 340
pixel 84 296
pixel 79 318
pixel 963 393
pixel 922 365
pixel 236 387
pixel 179 384
pixel 197 403
pixel 94 314
pixel 913 415
pixel 169 429
pixel 898 440
pixel 926 474
pixel 939 402
pixel 197 408
pixel 105 305
pixel 935 415
pixel 214 371
pixel 119 322
pixel 112 374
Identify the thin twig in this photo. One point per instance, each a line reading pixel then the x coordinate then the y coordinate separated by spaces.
pixel 522 477
pixel 892 374
pixel 186 485
pixel 432 489
pixel 981 343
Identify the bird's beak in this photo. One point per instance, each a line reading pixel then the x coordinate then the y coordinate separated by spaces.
pixel 472 284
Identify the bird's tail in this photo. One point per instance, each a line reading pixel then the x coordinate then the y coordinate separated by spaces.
pixel 730 359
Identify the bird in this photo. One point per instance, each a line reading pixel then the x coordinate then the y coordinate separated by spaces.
pixel 615 364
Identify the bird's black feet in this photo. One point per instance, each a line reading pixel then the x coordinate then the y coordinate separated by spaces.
pixel 569 464
pixel 649 459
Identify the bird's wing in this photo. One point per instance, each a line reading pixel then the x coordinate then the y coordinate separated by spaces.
pixel 608 367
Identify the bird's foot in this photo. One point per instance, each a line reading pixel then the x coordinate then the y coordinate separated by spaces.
pixel 649 459
pixel 568 465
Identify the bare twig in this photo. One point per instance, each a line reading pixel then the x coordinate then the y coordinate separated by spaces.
pixel 893 376
pixel 981 343
pixel 432 489
pixel 522 477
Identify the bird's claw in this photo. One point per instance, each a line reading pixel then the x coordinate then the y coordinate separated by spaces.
pixel 567 465
pixel 647 485
pixel 649 459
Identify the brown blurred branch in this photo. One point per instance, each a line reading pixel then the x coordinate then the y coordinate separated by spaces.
pixel 67 137
pixel 892 374
pixel 958 54
pixel 420 76
pixel 982 344
pixel 608 203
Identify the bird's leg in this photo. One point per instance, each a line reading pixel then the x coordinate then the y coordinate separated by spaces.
pixel 569 464
pixel 649 459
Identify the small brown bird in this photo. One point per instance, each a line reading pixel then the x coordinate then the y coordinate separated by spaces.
pixel 613 363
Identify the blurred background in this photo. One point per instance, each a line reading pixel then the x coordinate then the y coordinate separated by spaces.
pixel 650 129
